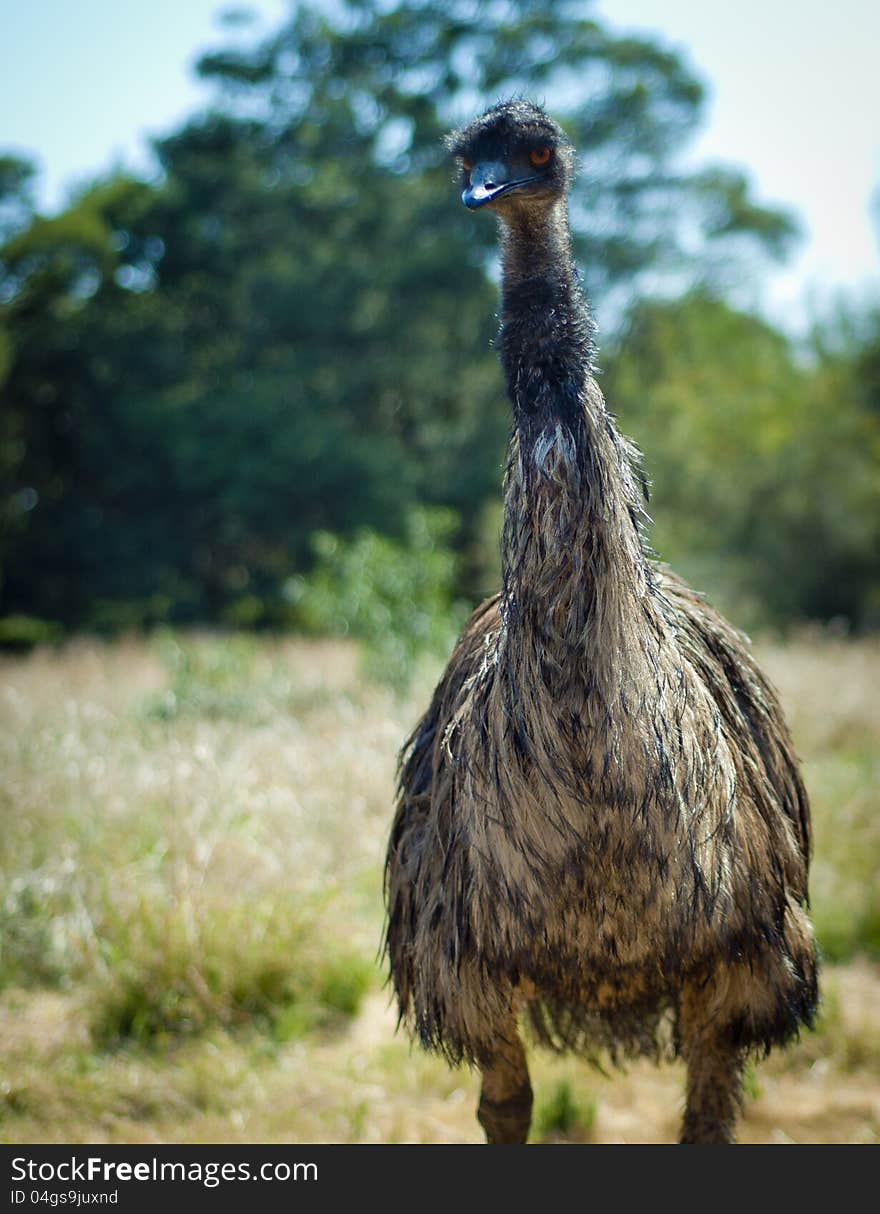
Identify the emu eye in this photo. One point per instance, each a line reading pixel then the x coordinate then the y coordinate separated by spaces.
pixel 539 157
pixel 466 164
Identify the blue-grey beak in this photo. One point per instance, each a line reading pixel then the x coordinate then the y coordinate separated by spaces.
pixel 487 180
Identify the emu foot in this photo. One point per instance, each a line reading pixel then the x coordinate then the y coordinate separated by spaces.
pixel 507 1121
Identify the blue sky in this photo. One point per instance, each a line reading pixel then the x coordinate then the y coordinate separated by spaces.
pixel 794 97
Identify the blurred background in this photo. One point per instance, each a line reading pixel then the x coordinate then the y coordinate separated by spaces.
pixel 251 443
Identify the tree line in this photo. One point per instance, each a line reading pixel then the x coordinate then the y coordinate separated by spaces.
pixel 219 383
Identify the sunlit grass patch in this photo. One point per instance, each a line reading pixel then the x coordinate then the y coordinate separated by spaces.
pixel 168 926
pixel 63 1090
pixel 165 952
pixel 200 868
pixel 844 881
pixel 829 694
pixel 563 1114
pixel 225 678
pixel 186 968
pixel 847 1032
pixel 34 943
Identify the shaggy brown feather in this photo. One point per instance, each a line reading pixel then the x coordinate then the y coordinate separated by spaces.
pixel 600 817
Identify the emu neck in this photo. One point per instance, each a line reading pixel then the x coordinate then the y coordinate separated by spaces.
pixel 537 250
pixel 575 578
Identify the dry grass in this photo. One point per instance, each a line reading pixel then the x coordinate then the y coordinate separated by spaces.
pixel 191 861
pixel 829 690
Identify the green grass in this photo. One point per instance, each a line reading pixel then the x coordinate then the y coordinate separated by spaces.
pixel 193 968
pixel 171 867
pixel 829 692
pixel 561 1114
pixel 235 680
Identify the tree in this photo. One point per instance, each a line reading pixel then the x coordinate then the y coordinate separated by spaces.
pixel 380 85
pixel 291 332
pixel 86 504
pixel 764 470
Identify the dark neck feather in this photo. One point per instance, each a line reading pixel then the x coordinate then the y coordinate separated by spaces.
pixel 575 574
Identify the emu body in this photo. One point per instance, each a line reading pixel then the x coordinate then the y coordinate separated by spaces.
pixel 600 826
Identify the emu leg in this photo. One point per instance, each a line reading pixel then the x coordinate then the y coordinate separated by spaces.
pixel 505 1108
pixel 714 1070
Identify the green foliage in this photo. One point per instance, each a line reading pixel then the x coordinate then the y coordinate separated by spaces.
pixel 765 472
pixel 290 332
pixel 19 633
pixel 564 1115
pixel 214 680
pixel 842 936
pixel 16 194
pixel 161 965
pixel 171 973
pixel 846 893
pixel 398 597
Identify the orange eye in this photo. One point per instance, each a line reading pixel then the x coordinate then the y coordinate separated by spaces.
pixel 539 157
pixel 466 164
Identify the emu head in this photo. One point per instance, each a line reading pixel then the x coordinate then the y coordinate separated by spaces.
pixel 513 158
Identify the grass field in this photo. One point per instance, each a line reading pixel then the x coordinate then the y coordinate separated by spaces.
pixel 190 906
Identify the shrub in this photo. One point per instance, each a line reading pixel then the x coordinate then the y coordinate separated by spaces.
pixel 20 633
pixel 397 597
pixel 177 970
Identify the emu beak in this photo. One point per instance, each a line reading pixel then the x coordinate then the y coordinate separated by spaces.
pixel 487 181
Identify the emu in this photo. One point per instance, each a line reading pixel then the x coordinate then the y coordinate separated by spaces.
pixel 601 833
